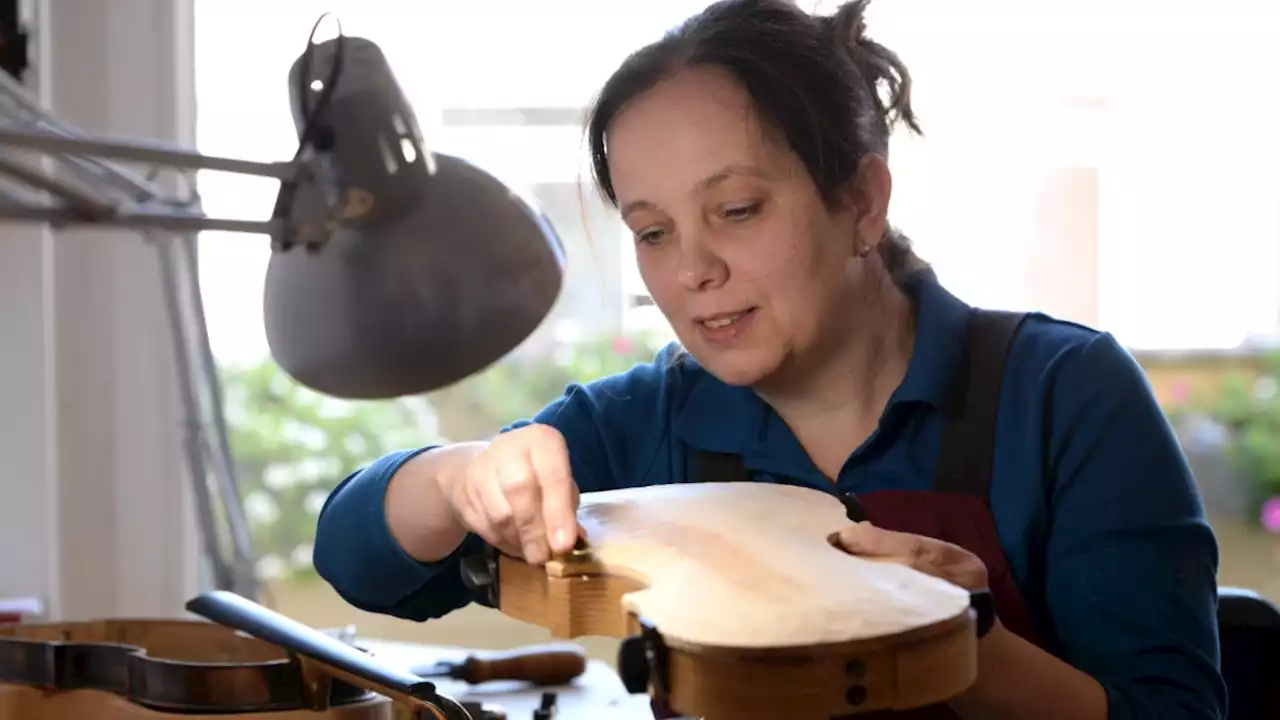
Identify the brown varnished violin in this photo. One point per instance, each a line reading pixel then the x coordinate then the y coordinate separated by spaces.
pixel 249 663
pixel 734 603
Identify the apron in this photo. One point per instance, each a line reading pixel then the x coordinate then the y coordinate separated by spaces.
pixel 955 509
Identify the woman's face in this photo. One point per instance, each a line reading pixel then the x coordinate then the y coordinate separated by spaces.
pixel 732 238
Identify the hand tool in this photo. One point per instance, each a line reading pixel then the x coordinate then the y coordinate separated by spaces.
pixel 543 665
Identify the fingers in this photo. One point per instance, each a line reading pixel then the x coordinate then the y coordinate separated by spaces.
pixel 517 484
pixel 488 516
pixel 868 540
pixel 559 493
pixel 927 555
pixel 520 497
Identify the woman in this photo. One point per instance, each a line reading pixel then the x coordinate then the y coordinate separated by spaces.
pixel 746 152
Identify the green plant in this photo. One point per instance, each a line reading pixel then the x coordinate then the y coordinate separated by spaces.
pixel 1248 407
pixel 292 446
pixel 519 387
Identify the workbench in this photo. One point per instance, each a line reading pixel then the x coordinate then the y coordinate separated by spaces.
pixel 596 695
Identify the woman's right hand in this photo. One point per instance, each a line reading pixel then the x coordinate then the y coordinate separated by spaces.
pixel 518 494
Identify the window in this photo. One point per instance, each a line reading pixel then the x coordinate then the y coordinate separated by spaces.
pixel 1137 194
pixel 1095 185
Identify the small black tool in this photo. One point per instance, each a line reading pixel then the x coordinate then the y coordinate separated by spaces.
pixel 547 709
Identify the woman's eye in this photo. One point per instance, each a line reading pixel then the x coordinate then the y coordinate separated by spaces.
pixel 650 236
pixel 741 212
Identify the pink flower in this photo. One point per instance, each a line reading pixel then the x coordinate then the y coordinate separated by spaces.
pixel 622 345
pixel 1271 514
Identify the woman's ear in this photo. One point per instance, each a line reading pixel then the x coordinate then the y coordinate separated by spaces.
pixel 869 191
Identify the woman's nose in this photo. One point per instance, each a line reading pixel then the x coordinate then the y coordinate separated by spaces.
pixel 700 267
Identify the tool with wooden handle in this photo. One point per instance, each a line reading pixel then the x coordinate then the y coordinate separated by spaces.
pixel 542 665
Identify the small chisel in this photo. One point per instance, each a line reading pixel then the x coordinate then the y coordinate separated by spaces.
pixel 542 665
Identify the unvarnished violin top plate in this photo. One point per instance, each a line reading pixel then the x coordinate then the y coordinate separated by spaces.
pixel 749 565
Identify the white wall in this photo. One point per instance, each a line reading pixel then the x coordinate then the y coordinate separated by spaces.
pixel 94 508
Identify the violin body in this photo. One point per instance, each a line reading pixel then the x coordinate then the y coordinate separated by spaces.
pixel 28 703
pixel 249 664
pixel 743 605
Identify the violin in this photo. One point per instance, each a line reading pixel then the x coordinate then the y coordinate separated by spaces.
pixel 734 602
pixel 249 663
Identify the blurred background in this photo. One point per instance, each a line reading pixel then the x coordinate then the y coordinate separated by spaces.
pixel 1112 163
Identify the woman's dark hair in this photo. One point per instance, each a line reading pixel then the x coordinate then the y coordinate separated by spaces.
pixel 815 80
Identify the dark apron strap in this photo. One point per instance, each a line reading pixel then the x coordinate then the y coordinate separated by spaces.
pixel 719 467
pixel 969 440
pixel 727 467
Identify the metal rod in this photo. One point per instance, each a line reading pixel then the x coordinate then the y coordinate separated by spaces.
pixel 225 472
pixel 139 151
pixel 97 172
pixel 194 437
pixel 12 194
pixel 128 200
pixel 40 180
pixel 15 93
pixel 143 219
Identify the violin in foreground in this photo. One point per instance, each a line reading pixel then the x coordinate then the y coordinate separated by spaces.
pixel 249 663
pixel 734 604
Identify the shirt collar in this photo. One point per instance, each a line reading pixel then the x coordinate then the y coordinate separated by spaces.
pixel 941 324
pixel 724 418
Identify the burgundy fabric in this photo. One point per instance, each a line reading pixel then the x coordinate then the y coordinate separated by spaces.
pixel 963 520
pixel 959 519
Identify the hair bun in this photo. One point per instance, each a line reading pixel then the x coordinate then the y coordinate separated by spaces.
pixel 879 67
pixel 849 24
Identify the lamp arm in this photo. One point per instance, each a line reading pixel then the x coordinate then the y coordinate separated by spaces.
pixel 87 202
pixel 54 174
pixel 20 108
pixel 152 153
pixel 147 217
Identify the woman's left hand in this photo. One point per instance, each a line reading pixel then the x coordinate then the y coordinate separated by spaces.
pixel 927 555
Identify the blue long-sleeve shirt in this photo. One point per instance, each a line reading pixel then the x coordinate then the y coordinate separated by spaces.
pixel 1095 506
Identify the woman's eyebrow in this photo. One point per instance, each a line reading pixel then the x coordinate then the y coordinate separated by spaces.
pixel 707 183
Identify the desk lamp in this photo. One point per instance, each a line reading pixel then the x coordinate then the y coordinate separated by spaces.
pixel 394 270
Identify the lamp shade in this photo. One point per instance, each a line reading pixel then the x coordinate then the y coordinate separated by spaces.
pixel 431 270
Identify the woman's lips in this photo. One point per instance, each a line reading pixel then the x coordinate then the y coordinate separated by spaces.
pixel 725 327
